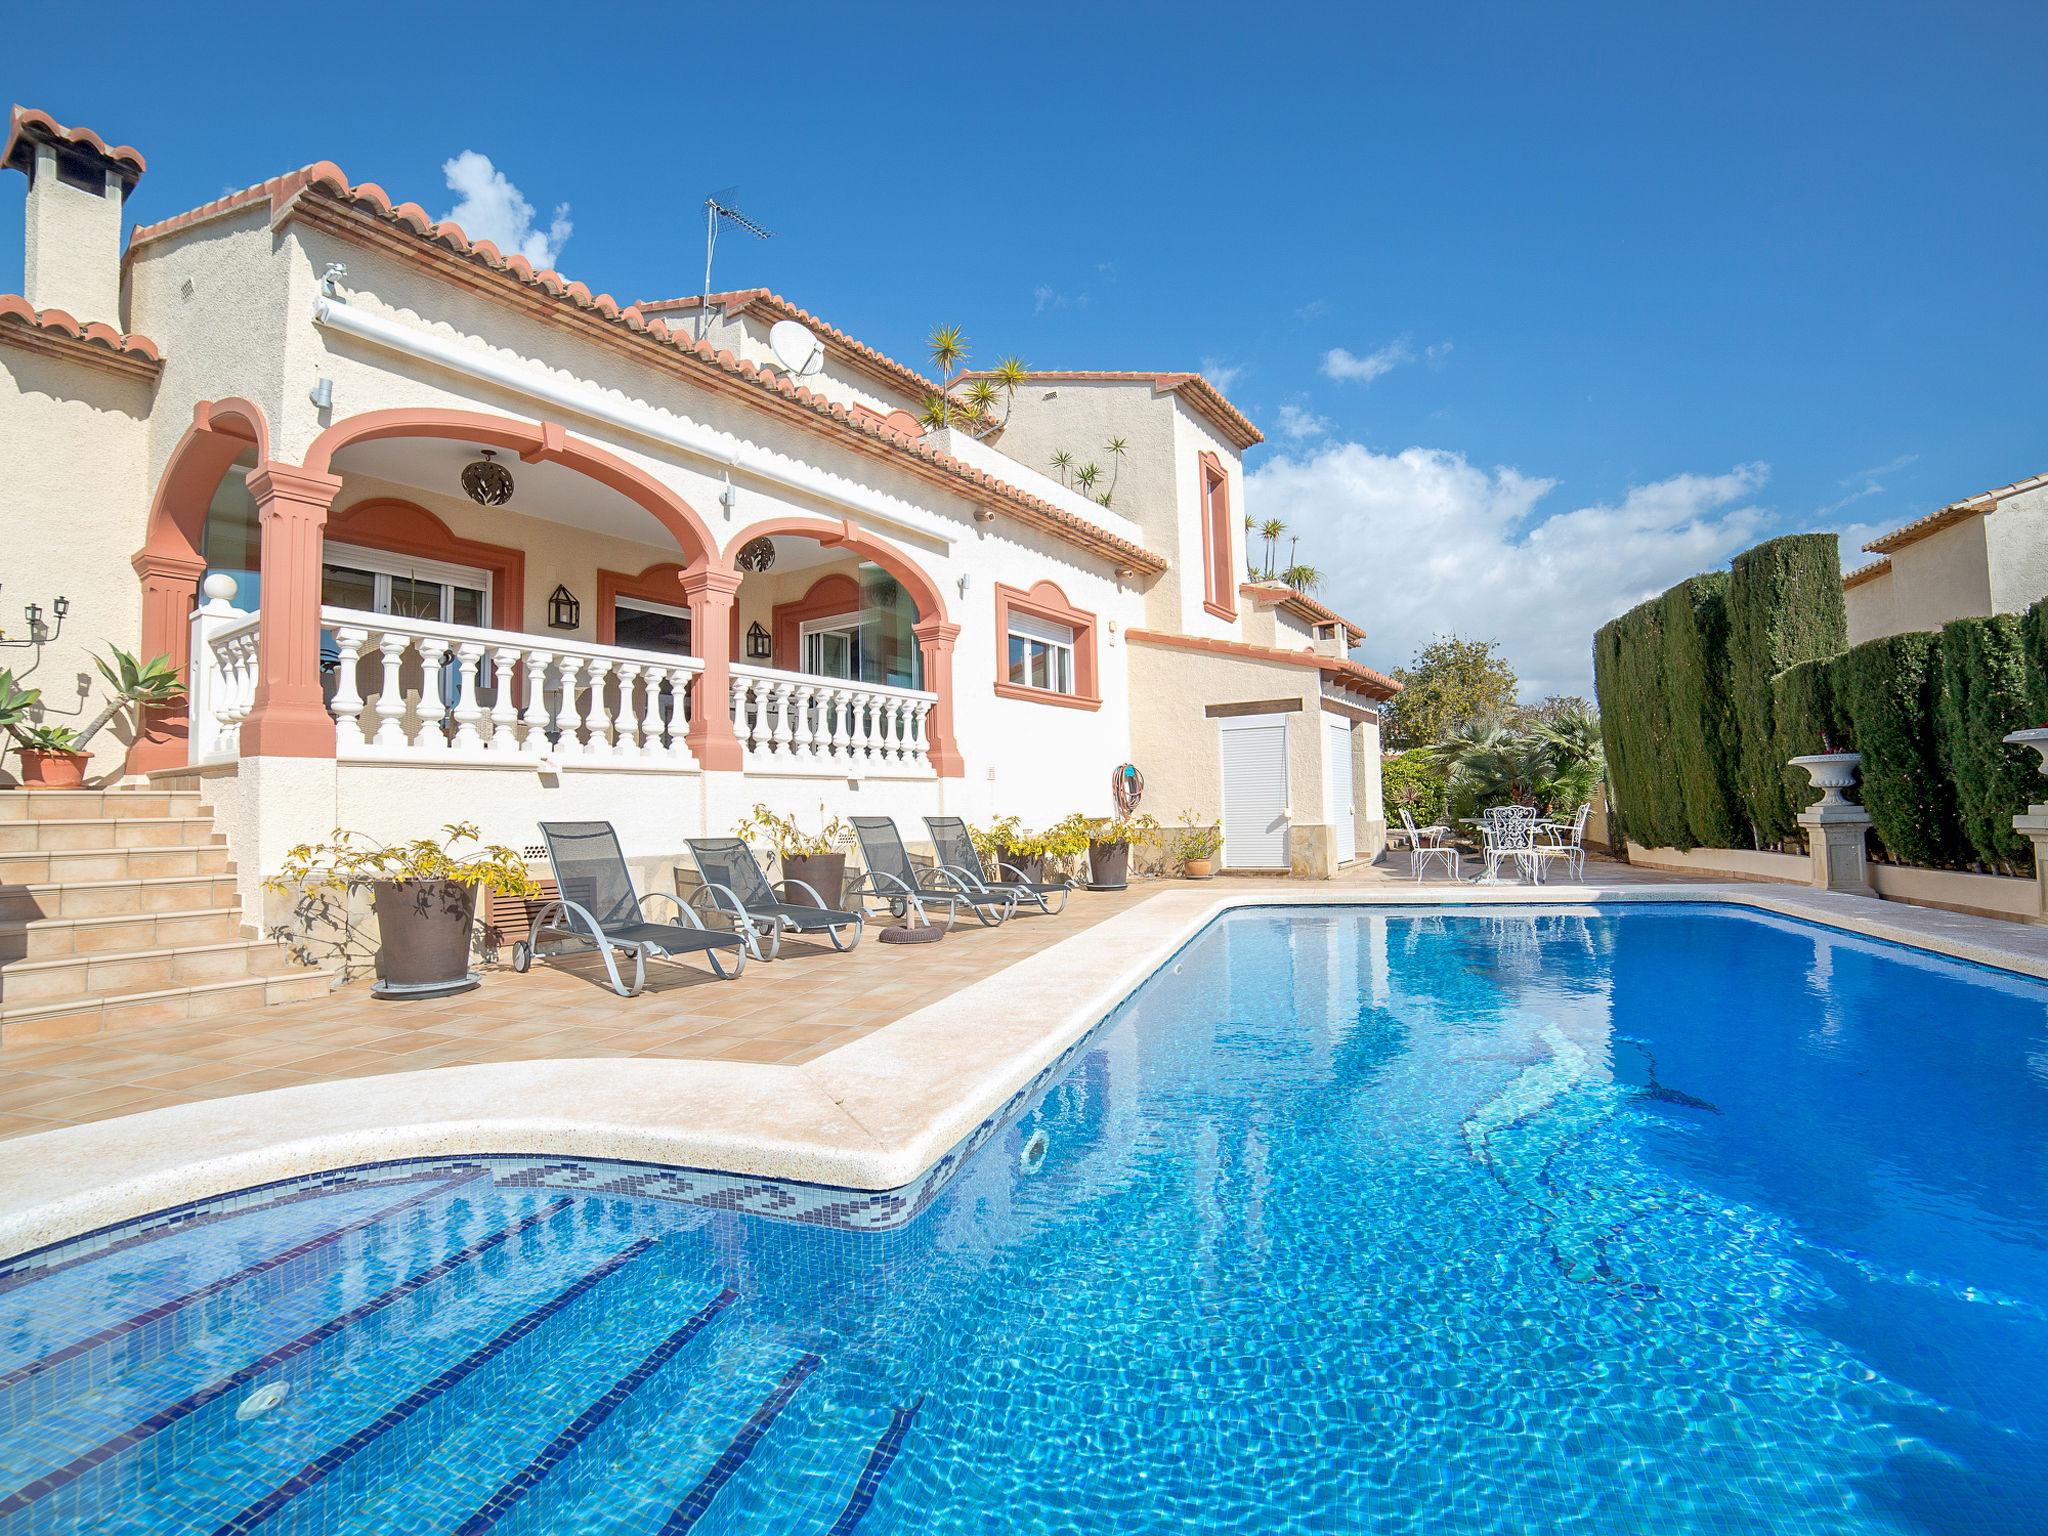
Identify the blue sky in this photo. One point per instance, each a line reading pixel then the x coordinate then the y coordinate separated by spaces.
pixel 1541 307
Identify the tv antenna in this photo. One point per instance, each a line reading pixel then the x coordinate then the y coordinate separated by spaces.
pixel 718 207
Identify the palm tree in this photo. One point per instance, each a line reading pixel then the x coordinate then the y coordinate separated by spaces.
pixel 1063 461
pixel 1305 579
pixel 1251 569
pixel 1493 764
pixel 1116 448
pixel 1271 530
pixel 948 351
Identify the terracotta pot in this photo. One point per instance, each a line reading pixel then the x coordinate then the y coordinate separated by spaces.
pixel 824 871
pixel 41 769
pixel 1109 865
pixel 424 931
pixel 1198 869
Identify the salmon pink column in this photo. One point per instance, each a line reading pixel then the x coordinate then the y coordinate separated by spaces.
pixel 935 639
pixel 288 717
pixel 170 590
pixel 710 595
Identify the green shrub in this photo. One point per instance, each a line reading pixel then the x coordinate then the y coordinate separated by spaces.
pixel 1984 696
pixel 1413 781
pixel 1784 607
pixel 1646 803
pixel 1889 691
pixel 1805 714
pixel 1700 726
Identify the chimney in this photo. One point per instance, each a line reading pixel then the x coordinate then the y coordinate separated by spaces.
pixel 77 186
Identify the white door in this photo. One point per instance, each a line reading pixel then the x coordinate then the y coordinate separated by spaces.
pixel 1337 774
pixel 1254 791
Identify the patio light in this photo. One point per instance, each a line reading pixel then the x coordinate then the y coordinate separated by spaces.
pixel 487 482
pixel 759 647
pixel 564 612
pixel 756 554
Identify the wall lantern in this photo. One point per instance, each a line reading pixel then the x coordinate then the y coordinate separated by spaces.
pixel 759 648
pixel 564 612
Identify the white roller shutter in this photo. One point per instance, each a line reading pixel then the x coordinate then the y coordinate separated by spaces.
pixel 1254 791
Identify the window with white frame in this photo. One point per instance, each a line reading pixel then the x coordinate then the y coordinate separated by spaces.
pixel 1041 653
pixel 405 586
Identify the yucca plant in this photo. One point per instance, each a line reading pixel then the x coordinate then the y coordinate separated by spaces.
pixel 1011 376
pixel 1271 530
pixel 1063 461
pixel 948 350
pixel 1305 579
pixel 981 401
pixel 136 685
pixel 1116 448
pixel 1086 476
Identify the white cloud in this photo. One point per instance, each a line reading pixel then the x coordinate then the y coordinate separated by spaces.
pixel 1867 482
pixel 1043 298
pixel 1314 309
pixel 1220 373
pixel 1437 352
pixel 1423 542
pixel 1349 367
pixel 493 209
pixel 1298 421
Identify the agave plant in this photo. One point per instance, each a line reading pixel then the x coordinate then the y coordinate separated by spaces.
pixel 17 704
pixel 135 685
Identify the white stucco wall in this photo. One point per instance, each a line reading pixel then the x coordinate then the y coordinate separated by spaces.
pixel 72 245
pixel 2017 538
pixel 1868 608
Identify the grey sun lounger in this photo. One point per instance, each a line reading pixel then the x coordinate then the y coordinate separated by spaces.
pixel 596 905
pixel 891 878
pixel 958 858
pixel 735 886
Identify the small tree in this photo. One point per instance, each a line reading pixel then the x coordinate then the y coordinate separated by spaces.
pixel 1450 683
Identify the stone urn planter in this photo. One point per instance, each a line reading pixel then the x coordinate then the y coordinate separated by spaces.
pixel 2035 736
pixel 1831 773
pixel 44 768
pixel 423 929
pixel 823 872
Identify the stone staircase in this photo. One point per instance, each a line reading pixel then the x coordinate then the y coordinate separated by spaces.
pixel 118 909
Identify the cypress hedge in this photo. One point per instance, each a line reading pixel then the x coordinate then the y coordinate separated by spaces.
pixel 1807 719
pixel 1628 670
pixel 1889 691
pixel 1784 606
pixel 1984 695
pixel 1700 724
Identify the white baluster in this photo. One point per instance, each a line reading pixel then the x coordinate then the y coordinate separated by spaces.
pixel 597 710
pixel 805 704
pixel 504 716
pixel 836 744
pixel 867 722
pixel 780 693
pixel 629 709
pixel 899 732
pixel 741 724
pixel 647 724
pixel 347 707
pixel 680 682
pixel 391 735
pixel 469 661
pixel 432 736
pixel 920 748
pixel 535 714
pixel 569 711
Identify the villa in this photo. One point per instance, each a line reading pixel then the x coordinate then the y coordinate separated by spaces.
pixel 334 457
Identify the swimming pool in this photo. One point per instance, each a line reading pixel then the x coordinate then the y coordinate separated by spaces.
pixel 1663 1219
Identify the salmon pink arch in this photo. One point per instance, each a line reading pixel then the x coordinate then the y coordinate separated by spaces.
pixel 534 442
pixel 931 604
pixel 173 557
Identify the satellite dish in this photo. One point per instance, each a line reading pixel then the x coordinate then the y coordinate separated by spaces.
pixel 796 348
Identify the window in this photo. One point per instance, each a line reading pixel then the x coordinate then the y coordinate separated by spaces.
pixel 641 624
pixel 834 647
pixel 372 581
pixel 1041 654
pixel 1219 568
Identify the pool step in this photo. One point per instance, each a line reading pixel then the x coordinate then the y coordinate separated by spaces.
pixel 119 908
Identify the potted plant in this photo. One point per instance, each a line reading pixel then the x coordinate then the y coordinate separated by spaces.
pixel 1195 846
pixel 817 859
pixel 1031 854
pixel 1109 848
pixel 55 756
pixel 424 893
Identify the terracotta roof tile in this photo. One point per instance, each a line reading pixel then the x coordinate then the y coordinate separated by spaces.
pixel 26 127
pixel 22 320
pixel 1355 675
pixel 739 300
pixel 325 179
pixel 1283 596
pixel 1202 396
pixel 1954 512
pixel 1863 573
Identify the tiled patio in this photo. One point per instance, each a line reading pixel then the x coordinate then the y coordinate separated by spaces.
pixel 785 1012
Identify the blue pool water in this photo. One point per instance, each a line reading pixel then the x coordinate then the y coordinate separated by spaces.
pixel 1671 1220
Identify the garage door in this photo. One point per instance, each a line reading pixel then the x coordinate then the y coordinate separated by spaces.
pixel 1344 805
pixel 1254 791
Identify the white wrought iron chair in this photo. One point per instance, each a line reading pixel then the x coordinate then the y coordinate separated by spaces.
pixel 1509 832
pixel 1425 846
pixel 1570 841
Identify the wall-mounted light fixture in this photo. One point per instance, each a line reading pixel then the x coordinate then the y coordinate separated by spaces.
pixel 564 612
pixel 322 394
pixel 759 646
pixel 33 613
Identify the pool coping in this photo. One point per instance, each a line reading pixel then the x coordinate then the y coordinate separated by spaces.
pixel 876 1115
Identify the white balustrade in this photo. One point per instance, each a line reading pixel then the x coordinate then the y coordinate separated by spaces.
pixel 795 722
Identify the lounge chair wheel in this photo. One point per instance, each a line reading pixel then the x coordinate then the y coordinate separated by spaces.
pixel 522 957
pixel 898 907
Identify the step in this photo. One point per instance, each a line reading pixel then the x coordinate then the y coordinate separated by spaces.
pixel 63 866
pixel 50 835
pixel 136 970
pixel 94 804
pixel 50 938
pixel 37 1023
pixel 109 898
